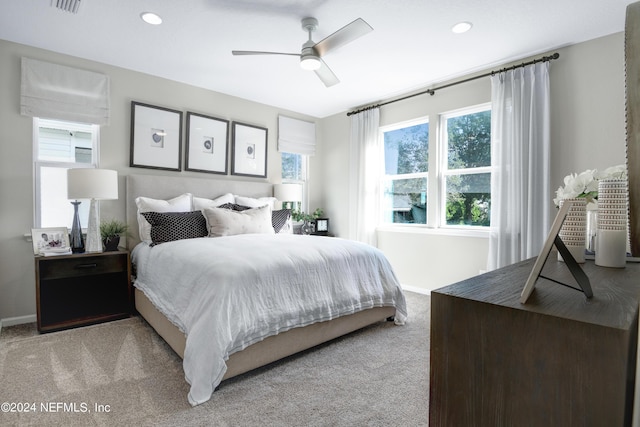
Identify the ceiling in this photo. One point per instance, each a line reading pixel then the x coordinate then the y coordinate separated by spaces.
pixel 411 47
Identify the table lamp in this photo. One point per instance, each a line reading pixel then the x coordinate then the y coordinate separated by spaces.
pixel 288 193
pixel 94 184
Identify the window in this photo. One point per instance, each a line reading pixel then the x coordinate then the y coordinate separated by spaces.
pixel 59 146
pixel 458 163
pixel 406 165
pixel 466 172
pixel 294 171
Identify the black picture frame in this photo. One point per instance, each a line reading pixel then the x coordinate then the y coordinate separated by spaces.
pixel 207 144
pixel 156 137
pixel 322 226
pixel 249 150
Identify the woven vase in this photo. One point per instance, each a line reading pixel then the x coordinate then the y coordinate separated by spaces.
pixel 611 243
pixel 574 229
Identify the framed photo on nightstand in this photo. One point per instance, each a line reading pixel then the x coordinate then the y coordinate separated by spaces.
pixel 322 226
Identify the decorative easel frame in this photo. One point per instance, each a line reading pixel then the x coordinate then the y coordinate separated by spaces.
pixel 572 265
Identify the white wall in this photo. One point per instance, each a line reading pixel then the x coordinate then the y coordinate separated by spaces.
pixel 17 277
pixel 588 131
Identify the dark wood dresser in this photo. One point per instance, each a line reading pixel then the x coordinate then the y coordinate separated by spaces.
pixel 559 360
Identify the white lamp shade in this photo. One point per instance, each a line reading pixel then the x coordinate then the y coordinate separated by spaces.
pixel 288 192
pixel 98 184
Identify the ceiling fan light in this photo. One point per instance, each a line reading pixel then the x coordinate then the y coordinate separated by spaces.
pixel 461 27
pixel 309 62
pixel 151 18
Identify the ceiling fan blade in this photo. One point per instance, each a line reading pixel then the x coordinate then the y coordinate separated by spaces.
pixel 326 75
pixel 257 52
pixel 344 35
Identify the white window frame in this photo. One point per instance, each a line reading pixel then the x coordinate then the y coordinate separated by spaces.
pixel 384 178
pixel 443 167
pixel 39 164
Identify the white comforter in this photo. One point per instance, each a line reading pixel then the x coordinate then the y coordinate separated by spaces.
pixel 226 293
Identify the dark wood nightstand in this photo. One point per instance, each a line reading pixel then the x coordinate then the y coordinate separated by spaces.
pixel 82 289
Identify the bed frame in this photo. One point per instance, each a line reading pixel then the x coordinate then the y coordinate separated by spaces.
pixel 270 349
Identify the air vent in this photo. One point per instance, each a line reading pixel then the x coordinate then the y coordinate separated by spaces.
pixel 67 5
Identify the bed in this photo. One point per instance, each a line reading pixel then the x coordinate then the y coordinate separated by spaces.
pixel 297 279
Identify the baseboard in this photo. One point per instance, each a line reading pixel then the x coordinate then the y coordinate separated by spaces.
pixel 416 289
pixel 12 321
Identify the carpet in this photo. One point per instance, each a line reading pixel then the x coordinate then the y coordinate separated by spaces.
pixel 123 373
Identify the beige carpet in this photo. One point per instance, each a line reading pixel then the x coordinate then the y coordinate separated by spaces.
pixel 374 377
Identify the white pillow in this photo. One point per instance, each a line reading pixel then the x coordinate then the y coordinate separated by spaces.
pixel 227 222
pixel 251 202
pixel 200 204
pixel 182 203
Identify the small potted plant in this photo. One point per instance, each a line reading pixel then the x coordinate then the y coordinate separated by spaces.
pixel 306 219
pixel 111 231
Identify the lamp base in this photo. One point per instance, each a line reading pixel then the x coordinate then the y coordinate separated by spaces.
pixel 75 239
pixel 94 242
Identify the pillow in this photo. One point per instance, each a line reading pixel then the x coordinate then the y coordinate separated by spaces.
pixel 281 221
pixel 170 226
pixel 200 204
pixel 256 203
pixel 182 203
pixel 234 207
pixel 227 222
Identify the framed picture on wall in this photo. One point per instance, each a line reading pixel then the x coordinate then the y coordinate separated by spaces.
pixel 249 150
pixel 207 144
pixel 156 137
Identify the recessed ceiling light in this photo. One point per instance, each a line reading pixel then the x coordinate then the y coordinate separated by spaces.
pixel 151 18
pixel 461 27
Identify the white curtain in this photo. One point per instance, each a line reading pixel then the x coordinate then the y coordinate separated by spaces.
pixel 59 92
pixel 364 177
pixel 520 182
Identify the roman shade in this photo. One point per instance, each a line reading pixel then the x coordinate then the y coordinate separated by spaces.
pixel 59 92
pixel 296 136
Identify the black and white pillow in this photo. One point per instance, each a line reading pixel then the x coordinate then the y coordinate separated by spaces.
pixel 170 226
pixel 281 221
pixel 234 207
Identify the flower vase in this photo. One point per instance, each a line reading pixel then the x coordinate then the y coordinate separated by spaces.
pixel 306 227
pixel 611 244
pixel 592 228
pixel 574 229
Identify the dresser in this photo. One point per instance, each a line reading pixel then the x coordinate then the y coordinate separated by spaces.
pixel 559 360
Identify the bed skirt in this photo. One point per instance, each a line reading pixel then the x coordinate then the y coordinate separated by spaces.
pixel 272 348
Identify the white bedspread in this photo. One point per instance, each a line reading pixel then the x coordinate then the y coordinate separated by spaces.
pixel 226 293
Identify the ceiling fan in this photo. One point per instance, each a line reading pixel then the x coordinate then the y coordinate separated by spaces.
pixel 312 52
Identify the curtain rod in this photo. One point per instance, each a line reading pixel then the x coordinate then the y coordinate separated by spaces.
pixel 433 91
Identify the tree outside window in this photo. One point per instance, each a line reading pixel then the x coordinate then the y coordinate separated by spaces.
pixel 406 166
pixel 467 173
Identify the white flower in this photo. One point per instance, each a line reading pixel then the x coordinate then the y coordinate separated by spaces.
pixel 613 172
pixel 585 184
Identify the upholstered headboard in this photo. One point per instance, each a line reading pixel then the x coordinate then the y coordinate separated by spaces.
pixel 167 187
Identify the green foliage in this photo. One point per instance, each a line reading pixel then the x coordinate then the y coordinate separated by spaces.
pixel 301 216
pixel 469 139
pixel 113 228
pixel 469 196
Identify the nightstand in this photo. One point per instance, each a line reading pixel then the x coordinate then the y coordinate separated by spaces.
pixel 82 289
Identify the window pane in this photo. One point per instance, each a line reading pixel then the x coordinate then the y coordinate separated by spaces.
pixel 56 210
pixel 62 145
pixel 406 150
pixel 292 167
pixel 468 199
pixel 469 140
pixel 405 201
